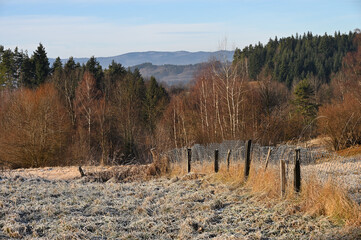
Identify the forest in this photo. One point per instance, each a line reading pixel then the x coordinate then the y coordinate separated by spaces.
pixel 291 89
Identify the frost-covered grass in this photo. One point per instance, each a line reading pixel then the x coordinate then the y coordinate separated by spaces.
pixel 55 203
pixel 189 207
pixel 330 189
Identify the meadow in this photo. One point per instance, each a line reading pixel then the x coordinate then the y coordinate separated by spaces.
pixel 127 203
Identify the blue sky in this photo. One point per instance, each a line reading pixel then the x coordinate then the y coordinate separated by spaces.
pixel 83 28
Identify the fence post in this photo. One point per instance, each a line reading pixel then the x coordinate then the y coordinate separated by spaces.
pixel 267 159
pixel 82 174
pixel 247 159
pixel 189 151
pixel 228 156
pixel 297 171
pixel 283 177
pixel 216 165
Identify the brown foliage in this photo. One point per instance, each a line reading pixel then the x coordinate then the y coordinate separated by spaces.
pixel 177 127
pixel 160 165
pixel 341 122
pixel 268 111
pixel 34 128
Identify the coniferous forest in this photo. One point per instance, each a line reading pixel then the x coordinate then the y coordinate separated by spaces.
pixel 290 89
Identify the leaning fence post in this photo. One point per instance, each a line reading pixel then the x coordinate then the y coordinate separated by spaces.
pixel 228 156
pixel 297 171
pixel 82 174
pixel 216 166
pixel 283 177
pixel 189 151
pixel 267 159
pixel 247 159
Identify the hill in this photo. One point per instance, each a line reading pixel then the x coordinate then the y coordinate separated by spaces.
pixel 158 58
pixel 297 57
pixel 167 67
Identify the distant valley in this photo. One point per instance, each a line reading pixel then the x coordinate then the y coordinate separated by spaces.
pixel 168 67
pixel 169 74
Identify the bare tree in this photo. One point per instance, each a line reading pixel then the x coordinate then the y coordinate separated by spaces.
pixel 85 102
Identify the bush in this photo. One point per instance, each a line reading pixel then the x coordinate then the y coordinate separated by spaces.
pixel 34 128
pixel 341 122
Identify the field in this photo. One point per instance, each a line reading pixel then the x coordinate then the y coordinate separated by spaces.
pixel 55 203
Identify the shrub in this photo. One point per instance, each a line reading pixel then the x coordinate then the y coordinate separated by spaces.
pixel 341 122
pixel 160 165
pixel 34 129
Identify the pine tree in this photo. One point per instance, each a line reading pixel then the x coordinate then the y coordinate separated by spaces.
pixel 155 102
pixel 7 69
pixel 41 64
pixel 93 67
pixel 57 65
pixel 304 101
pixel 27 73
pixel 70 64
pixel 18 61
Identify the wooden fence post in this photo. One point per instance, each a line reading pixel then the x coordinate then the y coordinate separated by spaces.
pixel 267 159
pixel 283 177
pixel 247 159
pixel 189 151
pixel 228 158
pixel 82 174
pixel 297 171
pixel 216 165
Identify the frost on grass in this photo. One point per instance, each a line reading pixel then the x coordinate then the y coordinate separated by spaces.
pixel 157 209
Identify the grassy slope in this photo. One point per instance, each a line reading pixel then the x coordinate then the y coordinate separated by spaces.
pixel 181 206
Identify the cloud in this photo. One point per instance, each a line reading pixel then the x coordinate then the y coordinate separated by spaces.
pixel 86 36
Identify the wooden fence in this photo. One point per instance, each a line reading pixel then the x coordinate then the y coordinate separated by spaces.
pixel 247 164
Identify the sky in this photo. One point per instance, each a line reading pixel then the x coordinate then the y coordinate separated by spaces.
pixel 102 28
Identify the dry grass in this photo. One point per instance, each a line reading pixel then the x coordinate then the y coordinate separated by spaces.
pixel 330 200
pixel 159 166
pixel 349 152
pixel 315 199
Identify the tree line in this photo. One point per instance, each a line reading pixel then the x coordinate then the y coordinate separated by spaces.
pixel 72 113
pixel 69 113
pixel 294 58
pixel 226 101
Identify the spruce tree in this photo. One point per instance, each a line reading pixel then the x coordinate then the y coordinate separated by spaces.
pixel 41 64
pixel 70 64
pixel 18 61
pixel 7 69
pixel 27 73
pixel 95 69
pixel 57 65
pixel 116 69
pixel 155 102
pixel 304 101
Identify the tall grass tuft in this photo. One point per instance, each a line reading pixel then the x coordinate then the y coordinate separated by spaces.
pixel 330 200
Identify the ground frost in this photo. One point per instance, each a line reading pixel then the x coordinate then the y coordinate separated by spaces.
pixel 156 209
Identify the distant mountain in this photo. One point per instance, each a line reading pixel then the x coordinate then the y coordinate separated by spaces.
pixel 168 67
pixel 158 58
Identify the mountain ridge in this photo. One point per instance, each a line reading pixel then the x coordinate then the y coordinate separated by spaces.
pixel 171 68
pixel 157 58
